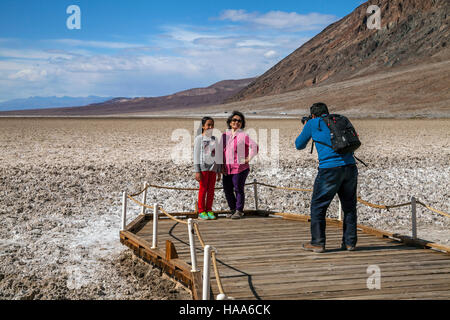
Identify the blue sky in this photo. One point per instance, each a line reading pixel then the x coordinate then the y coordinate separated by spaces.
pixel 149 48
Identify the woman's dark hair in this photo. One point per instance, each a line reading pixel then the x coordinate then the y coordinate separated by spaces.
pixel 318 109
pixel 204 119
pixel 236 113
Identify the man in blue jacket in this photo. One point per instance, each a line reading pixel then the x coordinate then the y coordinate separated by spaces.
pixel 337 173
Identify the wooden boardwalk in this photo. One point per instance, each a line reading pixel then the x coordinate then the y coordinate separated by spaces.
pixel 260 258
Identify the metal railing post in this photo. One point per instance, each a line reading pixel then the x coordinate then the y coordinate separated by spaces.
pixel 144 197
pixel 413 218
pixel 206 272
pixel 255 190
pixel 155 226
pixel 192 245
pixel 124 210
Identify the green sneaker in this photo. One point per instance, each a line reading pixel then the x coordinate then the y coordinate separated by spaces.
pixel 211 215
pixel 203 216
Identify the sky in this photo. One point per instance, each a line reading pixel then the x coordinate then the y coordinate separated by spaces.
pixel 149 48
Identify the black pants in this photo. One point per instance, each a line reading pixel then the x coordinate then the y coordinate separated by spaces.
pixel 329 181
pixel 233 186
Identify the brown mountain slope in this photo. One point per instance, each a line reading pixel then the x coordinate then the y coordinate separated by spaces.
pixel 214 94
pixel 419 90
pixel 412 31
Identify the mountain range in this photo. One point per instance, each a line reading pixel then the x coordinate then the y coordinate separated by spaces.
pixel 197 97
pixel 401 68
pixel 412 31
pixel 49 102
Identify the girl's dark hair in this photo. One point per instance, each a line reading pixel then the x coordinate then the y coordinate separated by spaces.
pixel 204 119
pixel 236 113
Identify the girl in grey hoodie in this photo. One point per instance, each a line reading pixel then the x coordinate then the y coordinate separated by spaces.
pixel 207 170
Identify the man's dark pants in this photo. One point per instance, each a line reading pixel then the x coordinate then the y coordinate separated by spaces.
pixel 329 181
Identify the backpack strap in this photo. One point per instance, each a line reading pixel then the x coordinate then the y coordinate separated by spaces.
pixel 323 143
pixel 314 141
pixel 312 146
pixel 360 160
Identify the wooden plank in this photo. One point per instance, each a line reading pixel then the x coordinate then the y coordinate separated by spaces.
pixel 197 285
pixel 435 291
pixel 137 224
pixel 308 277
pixel 333 287
pixel 171 252
pixel 273 248
pixel 438 292
pixel 175 267
pixel 381 233
pixel 298 266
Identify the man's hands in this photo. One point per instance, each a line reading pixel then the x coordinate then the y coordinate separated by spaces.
pixel 219 175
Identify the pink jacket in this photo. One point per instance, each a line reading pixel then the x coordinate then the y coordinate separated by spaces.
pixel 235 149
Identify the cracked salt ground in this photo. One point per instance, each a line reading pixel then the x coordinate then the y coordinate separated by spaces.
pixel 60 212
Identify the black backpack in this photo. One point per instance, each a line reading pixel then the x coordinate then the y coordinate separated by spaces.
pixel 344 138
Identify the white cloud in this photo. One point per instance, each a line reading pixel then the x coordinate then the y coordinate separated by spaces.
pixel 270 54
pixel 254 43
pixel 32 54
pixel 236 15
pixel 29 75
pixel 184 35
pixel 95 44
pixel 180 57
pixel 215 41
pixel 290 21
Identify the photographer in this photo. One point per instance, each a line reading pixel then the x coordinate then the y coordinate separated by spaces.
pixel 337 173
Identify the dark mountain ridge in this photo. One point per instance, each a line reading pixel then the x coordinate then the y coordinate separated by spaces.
pixel 411 31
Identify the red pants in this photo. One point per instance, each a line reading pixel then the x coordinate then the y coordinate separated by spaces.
pixel 206 192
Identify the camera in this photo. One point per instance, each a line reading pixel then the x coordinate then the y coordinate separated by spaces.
pixel 306 119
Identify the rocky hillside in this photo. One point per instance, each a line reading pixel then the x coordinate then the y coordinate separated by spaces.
pixel 198 97
pixel 412 31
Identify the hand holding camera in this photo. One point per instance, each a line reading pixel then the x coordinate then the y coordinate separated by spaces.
pixel 306 119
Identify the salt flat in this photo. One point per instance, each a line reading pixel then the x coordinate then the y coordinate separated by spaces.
pixel 61 182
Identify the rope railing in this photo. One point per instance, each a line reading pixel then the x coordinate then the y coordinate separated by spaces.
pixel 214 260
pixel 196 228
pixel 140 203
pixel 382 206
pixel 212 253
pixel 432 209
pixel 184 188
pixel 367 203
pixel 359 199
pixel 143 190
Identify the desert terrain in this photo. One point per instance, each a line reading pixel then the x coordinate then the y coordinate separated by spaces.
pixel 415 90
pixel 61 182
